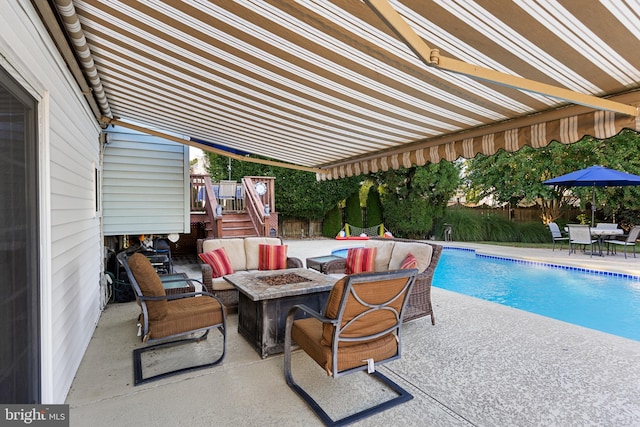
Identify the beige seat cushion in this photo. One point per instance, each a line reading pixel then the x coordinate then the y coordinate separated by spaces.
pixel 421 251
pixel 383 253
pixel 219 284
pixel 234 249
pixel 252 249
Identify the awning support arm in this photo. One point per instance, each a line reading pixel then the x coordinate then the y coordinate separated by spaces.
pixel 432 58
pixel 116 122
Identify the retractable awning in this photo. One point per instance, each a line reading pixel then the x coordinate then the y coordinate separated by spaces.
pixel 350 87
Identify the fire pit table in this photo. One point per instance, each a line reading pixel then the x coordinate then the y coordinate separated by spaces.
pixel 265 298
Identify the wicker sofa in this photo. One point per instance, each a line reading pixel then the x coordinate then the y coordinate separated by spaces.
pixel 243 254
pixel 389 256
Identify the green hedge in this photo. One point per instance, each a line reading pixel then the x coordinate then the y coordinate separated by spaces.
pixel 470 226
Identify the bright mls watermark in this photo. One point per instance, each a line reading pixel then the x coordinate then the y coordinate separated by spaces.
pixel 37 415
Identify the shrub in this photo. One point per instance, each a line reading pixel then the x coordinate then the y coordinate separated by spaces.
pixel 374 207
pixel 332 223
pixel 470 226
pixel 353 211
pixel 534 232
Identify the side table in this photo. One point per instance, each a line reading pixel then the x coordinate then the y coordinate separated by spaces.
pixel 176 283
pixel 319 263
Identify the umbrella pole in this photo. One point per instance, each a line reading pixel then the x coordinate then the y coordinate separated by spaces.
pixel 593 206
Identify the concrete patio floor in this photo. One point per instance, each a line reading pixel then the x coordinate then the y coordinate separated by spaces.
pixel 481 364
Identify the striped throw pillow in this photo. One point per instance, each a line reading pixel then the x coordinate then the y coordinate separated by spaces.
pixel 409 262
pixel 272 257
pixel 361 260
pixel 219 262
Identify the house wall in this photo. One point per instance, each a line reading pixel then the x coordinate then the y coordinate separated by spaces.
pixel 70 230
pixel 145 182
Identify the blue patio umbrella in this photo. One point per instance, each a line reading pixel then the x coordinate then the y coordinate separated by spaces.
pixel 595 176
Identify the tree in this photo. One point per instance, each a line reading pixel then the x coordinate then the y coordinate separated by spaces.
pixel 374 207
pixel 353 210
pixel 518 177
pixel 413 198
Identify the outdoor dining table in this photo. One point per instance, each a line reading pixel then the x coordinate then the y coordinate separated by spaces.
pixel 602 233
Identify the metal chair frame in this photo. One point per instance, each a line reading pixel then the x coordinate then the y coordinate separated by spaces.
pixel 348 294
pixel 581 235
pixel 557 235
pixel 629 241
pixel 169 341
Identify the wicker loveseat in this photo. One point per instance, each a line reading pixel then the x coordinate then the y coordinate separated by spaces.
pixel 390 254
pixel 243 254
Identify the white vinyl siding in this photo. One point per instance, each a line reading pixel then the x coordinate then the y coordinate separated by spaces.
pixel 70 239
pixel 145 181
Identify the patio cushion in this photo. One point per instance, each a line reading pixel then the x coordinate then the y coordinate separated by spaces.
pixel 272 257
pixel 219 262
pixel 234 248
pixel 409 262
pixel 252 250
pixel 421 251
pixel 150 285
pixel 383 253
pixel 187 314
pixel 369 324
pixel 361 260
pixel 308 334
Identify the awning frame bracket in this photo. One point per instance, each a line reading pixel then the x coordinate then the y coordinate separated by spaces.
pixel 432 58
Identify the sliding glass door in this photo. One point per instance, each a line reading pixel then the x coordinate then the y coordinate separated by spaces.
pixel 19 263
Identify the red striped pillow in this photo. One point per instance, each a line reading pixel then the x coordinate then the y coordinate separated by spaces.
pixel 361 260
pixel 219 262
pixel 272 257
pixel 409 262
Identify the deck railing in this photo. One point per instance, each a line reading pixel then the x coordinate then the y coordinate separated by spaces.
pixel 213 199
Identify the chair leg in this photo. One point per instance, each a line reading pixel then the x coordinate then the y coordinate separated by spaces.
pixel 403 395
pixel 137 357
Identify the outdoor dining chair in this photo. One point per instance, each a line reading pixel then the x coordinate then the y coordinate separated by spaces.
pixel 580 235
pixel 170 320
pixel 359 330
pixel 630 241
pixel 557 235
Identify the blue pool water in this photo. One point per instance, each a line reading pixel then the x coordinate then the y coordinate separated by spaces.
pixel 607 303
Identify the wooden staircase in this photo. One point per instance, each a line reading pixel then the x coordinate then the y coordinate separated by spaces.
pixel 237 224
pixel 249 216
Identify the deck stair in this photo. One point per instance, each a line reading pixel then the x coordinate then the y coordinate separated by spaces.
pixel 237 211
pixel 237 224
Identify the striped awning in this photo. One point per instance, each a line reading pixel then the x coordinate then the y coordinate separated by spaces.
pixel 351 87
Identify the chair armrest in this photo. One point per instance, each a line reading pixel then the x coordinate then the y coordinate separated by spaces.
pixel 199 244
pixel 178 296
pixel 336 266
pixel 207 277
pixel 293 262
pixel 310 311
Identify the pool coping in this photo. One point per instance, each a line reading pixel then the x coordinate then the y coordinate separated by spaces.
pixel 546 264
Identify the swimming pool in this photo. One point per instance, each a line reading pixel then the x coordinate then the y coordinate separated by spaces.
pixel 605 302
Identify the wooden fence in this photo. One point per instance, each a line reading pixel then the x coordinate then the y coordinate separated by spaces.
pixel 295 229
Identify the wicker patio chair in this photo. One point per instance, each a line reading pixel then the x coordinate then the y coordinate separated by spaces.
pixel 170 320
pixel 359 330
